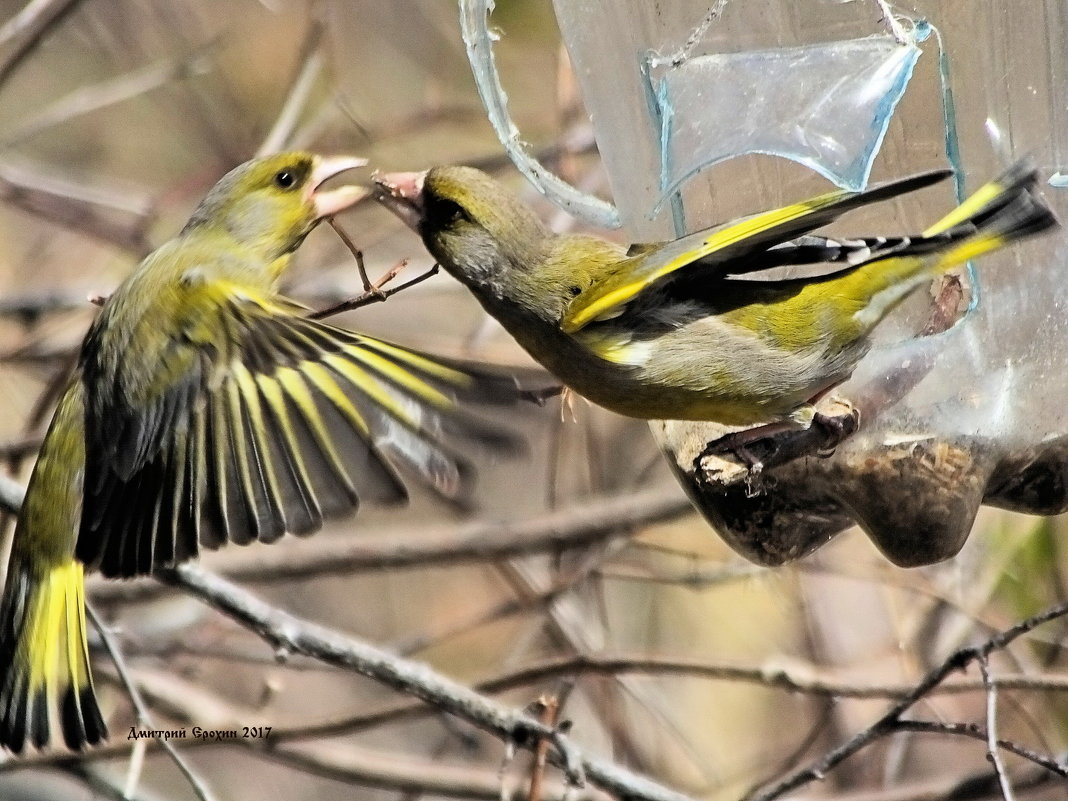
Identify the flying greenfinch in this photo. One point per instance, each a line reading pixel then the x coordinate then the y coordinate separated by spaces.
pixel 205 409
pixel 684 329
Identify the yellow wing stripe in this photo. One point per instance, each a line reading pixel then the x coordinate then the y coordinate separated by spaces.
pixel 176 463
pixel 716 241
pixel 218 427
pixel 46 643
pixel 77 641
pixel 401 377
pixel 372 387
pixel 429 366
pixel 292 382
pixel 971 248
pixel 971 206
pixel 198 479
pixel 325 383
pixel 273 394
pixel 57 627
pixel 249 392
pixel 240 443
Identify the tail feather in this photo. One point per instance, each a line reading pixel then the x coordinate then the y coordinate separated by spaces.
pixel 986 201
pixel 44 660
pixel 1012 212
pixel 999 213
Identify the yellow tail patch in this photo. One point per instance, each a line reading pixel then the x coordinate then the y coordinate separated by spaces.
pixel 47 679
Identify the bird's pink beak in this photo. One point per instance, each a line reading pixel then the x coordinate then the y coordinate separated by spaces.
pixel 402 193
pixel 329 202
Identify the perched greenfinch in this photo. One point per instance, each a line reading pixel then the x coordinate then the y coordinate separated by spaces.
pixel 206 408
pixel 684 329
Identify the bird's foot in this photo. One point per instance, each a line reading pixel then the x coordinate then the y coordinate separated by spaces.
pixel 737 445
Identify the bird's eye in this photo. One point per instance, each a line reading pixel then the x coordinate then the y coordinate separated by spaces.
pixel 284 179
pixel 451 212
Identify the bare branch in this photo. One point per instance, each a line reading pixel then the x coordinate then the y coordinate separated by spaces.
pixel 993 749
pixel 311 68
pixel 978 733
pixel 959 660
pixel 294 635
pixel 93 97
pixel 108 216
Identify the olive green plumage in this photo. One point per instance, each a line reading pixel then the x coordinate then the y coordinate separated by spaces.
pixel 682 330
pixel 206 409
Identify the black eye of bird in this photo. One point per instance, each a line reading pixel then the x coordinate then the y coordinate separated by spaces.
pixel 451 212
pixel 284 179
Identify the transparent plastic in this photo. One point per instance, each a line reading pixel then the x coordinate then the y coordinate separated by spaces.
pixel 825 105
pixel 949 420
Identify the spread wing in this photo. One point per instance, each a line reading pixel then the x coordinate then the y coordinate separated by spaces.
pixel 727 249
pixel 276 424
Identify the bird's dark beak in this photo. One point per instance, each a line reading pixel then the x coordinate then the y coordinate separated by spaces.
pixel 402 193
pixel 329 202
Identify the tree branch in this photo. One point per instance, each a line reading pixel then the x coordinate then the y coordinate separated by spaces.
pixel 958 660
pixel 294 635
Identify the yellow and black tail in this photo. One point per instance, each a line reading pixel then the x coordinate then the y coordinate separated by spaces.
pixel 44 655
pixel 999 213
pixel 44 659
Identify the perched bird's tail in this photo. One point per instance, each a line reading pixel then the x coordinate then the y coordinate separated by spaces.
pixel 1001 212
pixel 44 658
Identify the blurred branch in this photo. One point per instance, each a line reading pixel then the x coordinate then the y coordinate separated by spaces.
pixel 404 774
pixel 27 29
pixel 109 216
pixel 20 448
pixel 530 599
pixel 311 67
pixel 86 99
pixel 294 635
pixel 593 520
pixel 803 679
pixel 11 494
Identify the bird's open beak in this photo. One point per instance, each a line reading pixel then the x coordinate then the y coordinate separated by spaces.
pixel 402 193
pixel 329 202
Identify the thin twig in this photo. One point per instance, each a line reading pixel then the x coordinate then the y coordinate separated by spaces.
pixel 375 294
pixel 20 448
pixel 115 220
pixel 978 733
pixel 548 710
pixel 144 716
pixel 354 250
pixel 11 495
pixel 959 660
pixel 87 99
pixel 993 751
